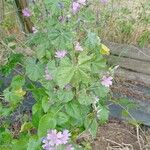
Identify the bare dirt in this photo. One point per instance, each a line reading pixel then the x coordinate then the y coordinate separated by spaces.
pixel 119 135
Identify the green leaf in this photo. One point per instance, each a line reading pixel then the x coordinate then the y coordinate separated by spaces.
pixel 87 15
pixel 100 90
pixel 76 111
pixel 63 39
pixel 34 70
pixel 5 147
pixel 17 81
pixel 13 60
pixel 64 75
pixel 13 96
pixel 84 58
pixel 98 64
pixel 26 126
pixel 38 93
pixel 81 76
pixel 91 125
pixel 65 95
pixel 92 40
pixel 103 114
pixel 20 144
pixel 73 110
pixel 52 68
pixel 36 114
pixel 45 104
pixel 84 62
pixel 53 5
pixel 41 52
pixel 62 118
pixel 33 144
pixel 5 136
pixel 46 123
pixel 84 98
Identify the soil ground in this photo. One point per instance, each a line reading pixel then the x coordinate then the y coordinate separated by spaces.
pixel 119 135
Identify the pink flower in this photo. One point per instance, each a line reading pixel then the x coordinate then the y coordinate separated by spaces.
pixel 75 7
pixel 106 81
pixel 78 47
pixel 104 1
pixel 34 30
pixel 54 139
pixel 69 147
pixel 65 137
pixel 60 54
pixel 26 12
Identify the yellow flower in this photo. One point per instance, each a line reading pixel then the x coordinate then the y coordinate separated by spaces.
pixel 104 50
pixel 20 92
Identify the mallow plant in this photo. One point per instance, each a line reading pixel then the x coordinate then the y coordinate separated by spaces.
pixel 67 76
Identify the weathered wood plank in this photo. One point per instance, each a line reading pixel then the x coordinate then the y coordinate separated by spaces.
pixel 133 76
pixel 130 51
pixel 130 64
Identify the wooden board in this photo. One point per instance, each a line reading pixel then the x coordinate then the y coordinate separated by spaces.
pixel 134 65
pixel 129 51
pixel 131 79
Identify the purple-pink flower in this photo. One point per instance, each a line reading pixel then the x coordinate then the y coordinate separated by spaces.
pixel 34 30
pixel 60 54
pixel 54 139
pixel 75 7
pixel 78 47
pixel 69 147
pixel 47 75
pixel 65 137
pixel 106 81
pixel 26 12
pixel 104 1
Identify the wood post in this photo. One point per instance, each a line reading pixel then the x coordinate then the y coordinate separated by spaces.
pixel 1 10
pixel 26 22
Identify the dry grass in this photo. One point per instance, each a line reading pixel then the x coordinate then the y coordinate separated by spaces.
pixel 126 21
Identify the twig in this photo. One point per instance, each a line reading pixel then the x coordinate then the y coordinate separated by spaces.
pixel 108 140
pixel 138 137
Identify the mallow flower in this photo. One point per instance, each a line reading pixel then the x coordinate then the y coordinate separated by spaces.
pixel 55 139
pixel 78 47
pixel 26 12
pixel 34 30
pixel 106 81
pixel 104 1
pixel 60 54
pixel 75 7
